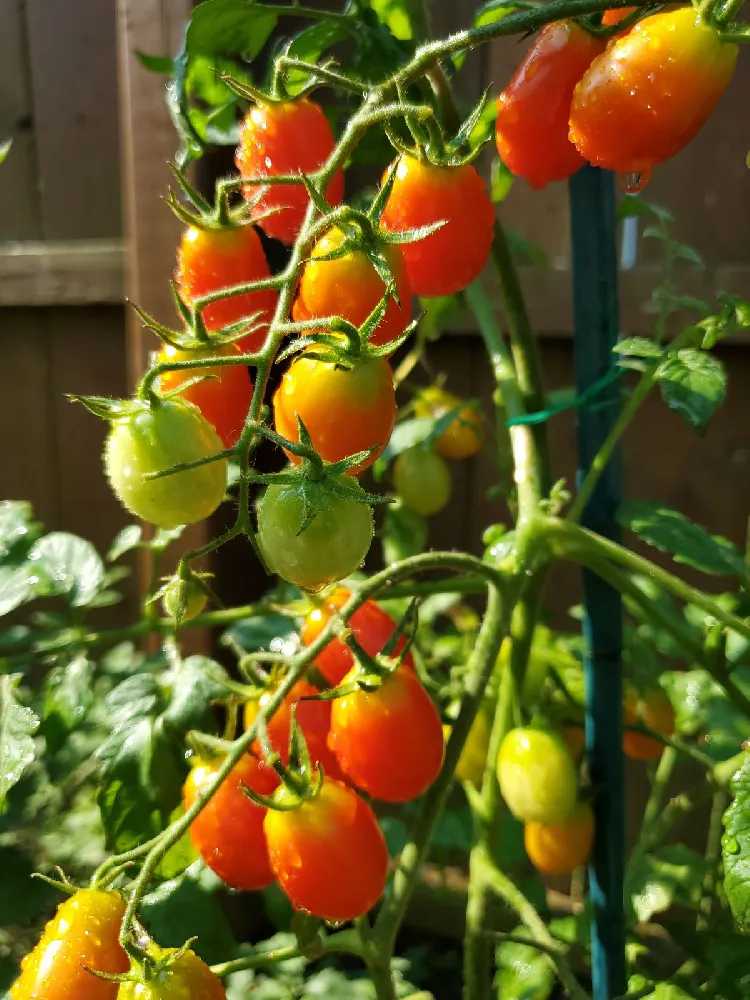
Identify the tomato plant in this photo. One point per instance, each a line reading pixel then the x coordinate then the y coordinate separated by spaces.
pixel 370 624
pixel 228 832
pixel 388 741
pixel 328 852
pixel 279 394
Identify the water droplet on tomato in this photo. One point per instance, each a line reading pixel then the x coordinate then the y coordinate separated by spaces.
pixel 634 181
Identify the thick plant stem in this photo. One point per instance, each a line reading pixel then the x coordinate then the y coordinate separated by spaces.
pixel 653 810
pixel 382 977
pixel 713 856
pixel 523 348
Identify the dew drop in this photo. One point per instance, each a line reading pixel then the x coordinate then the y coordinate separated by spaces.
pixel 633 182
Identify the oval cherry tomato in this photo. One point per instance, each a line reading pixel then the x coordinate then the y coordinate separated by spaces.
pixel 211 259
pixel 537 776
pixel 314 718
pixel 650 92
pixel 371 626
pixel 155 438
pixel 331 547
pixel 228 832
pixel 328 853
pixel 224 396
pixel 461 439
pixel 285 137
pixel 185 977
pixel 449 259
pixel 183 599
pixel 471 763
pixel 350 287
pixel 558 848
pixel 389 742
pixel 422 480
pixel 83 932
pixel 654 710
pixel 575 739
pixel 345 410
pixel 532 112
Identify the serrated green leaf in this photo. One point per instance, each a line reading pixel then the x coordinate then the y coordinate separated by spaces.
pixel 693 384
pixel 229 28
pixel 687 542
pixel 735 849
pixel 639 347
pixel 194 685
pixel 155 64
pixel 270 631
pixel 18 529
pixel 16 586
pixel 673 873
pixel 17 727
pixel 125 541
pixel 68 697
pixel 68 565
pixel 523 972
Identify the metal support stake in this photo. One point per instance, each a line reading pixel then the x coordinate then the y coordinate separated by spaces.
pixel 593 221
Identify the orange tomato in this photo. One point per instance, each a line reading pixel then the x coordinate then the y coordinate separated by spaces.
pixel 557 848
pixel 652 709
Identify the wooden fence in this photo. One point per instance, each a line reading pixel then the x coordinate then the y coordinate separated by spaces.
pixel 84 132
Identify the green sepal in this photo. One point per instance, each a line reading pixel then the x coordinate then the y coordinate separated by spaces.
pixel 109 409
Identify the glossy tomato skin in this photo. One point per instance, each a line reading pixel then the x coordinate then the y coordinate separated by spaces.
pixel 462 438
pixel 329 853
pixel 558 848
pixel 531 131
pixel 389 742
pixel 654 710
pixel 370 625
pixel 186 978
pixel 156 438
pixel 449 259
pixel 84 931
pixel 537 776
pixel 331 547
pixel 285 137
pixel 422 480
pixel 314 718
pixel 650 92
pixel 228 832
pixel 350 287
pixel 224 396
pixel 345 410
pixel 211 259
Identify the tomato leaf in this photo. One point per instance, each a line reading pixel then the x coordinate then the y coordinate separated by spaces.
pixel 670 874
pixel 15 587
pixel 125 541
pixel 309 45
pixel 155 64
pixel 732 317
pixel 18 531
pixel 71 566
pixel 229 28
pixel 735 849
pixel 693 384
pixel 688 543
pixel 17 727
pixel 639 347
pixel 523 972
pixel 68 697
pixel 269 631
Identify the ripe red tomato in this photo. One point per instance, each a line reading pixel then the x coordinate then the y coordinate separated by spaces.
pixel 345 410
pixel 350 287
pixel 461 438
pixel 223 398
pixel 654 710
pixel 532 112
pixel 211 259
pixel 314 718
pixel 451 258
pixel 186 977
pixel 285 137
pixel 329 853
pixel 558 848
pixel 371 626
pixel 650 92
pixel 84 931
pixel 155 438
pixel 389 742
pixel 228 832
pixel 332 545
pixel 423 480
pixel 537 776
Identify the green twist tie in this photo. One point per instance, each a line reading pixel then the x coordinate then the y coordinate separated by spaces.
pixel 588 400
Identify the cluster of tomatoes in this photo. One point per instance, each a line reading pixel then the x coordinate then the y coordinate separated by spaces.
pixel 321 841
pixel 626 105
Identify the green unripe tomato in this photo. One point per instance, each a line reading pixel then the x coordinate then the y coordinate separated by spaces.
pixel 183 600
pixel 422 480
pixel 154 438
pixel 470 766
pixel 537 776
pixel 330 547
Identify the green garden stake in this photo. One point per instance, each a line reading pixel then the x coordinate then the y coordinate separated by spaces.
pixel 593 221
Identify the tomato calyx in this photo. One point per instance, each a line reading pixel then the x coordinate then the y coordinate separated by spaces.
pixel 431 146
pixel 299 779
pixel 185 594
pixel 372 671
